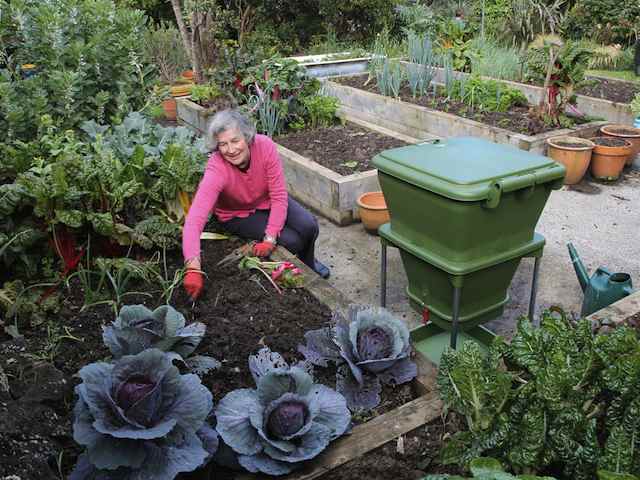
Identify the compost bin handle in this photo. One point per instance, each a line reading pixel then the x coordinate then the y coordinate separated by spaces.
pixel 505 185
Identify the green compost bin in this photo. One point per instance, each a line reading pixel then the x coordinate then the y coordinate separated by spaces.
pixel 484 284
pixel 466 199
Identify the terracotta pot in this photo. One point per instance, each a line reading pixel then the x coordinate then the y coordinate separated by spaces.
pixel 631 134
pixel 187 75
pixel 572 152
pixel 609 157
pixel 169 105
pixel 373 210
pixel 181 89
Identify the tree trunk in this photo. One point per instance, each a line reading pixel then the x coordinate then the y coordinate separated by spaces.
pixel 186 38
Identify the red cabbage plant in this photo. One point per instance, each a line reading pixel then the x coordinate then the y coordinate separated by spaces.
pixel 370 347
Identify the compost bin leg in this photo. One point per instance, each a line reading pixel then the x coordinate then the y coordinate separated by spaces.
pixel 383 274
pixel 534 289
pixel 456 314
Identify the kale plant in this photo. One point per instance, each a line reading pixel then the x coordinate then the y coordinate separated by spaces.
pixel 556 395
pixel 137 328
pixel 370 347
pixel 139 418
pixel 285 421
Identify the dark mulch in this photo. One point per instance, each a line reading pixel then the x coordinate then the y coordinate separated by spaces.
pixel 613 90
pixel 609 141
pixel 345 149
pixel 517 119
pixel 242 312
pixel 408 459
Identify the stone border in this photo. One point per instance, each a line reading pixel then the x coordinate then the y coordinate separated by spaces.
pixel 418 121
pixel 619 311
pixel 331 194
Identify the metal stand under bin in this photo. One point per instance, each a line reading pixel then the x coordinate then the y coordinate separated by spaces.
pixel 457 282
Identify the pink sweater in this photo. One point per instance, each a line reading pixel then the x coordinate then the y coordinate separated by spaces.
pixel 230 193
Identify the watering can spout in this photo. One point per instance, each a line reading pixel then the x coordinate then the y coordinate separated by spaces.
pixel 578 266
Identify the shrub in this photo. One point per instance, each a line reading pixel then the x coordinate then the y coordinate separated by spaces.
pixel 604 21
pixel 89 64
pixel 164 48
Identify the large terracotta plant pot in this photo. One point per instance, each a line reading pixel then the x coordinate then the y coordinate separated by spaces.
pixel 169 106
pixel 609 157
pixel 373 210
pixel 572 152
pixel 631 134
pixel 181 89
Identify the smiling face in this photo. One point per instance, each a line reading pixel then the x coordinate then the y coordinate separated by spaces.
pixel 233 147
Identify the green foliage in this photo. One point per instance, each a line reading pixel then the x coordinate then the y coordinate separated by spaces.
pixel 604 21
pixel 488 95
pixel 287 74
pixel 358 19
pixel 389 78
pixel 321 110
pixel 417 18
pixel 558 394
pixel 205 92
pixel 88 59
pixel 491 60
pixel 454 41
pixel 163 47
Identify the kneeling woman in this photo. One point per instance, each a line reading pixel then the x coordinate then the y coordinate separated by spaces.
pixel 245 187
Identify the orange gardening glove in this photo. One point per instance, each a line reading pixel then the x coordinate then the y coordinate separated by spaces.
pixel 263 249
pixel 193 283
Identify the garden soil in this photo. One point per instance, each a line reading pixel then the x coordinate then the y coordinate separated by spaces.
pixel 517 119
pixel 345 149
pixel 242 312
pixel 612 90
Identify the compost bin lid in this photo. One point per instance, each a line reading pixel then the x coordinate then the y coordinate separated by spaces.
pixel 469 169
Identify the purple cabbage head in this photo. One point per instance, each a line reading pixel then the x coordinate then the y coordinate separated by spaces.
pixel 137 328
pixel 140 418
pixel 370 347
pixel 285 421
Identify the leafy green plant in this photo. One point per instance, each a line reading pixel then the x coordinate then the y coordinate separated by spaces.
pixel 389 78
pixel 489 95
pixel 556 395
pixel 370 347
pixel 321 110
pixel 301 416
pixel 164 48
pixel 139 417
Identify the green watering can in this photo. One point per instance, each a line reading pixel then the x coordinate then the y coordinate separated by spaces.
pixel 603 288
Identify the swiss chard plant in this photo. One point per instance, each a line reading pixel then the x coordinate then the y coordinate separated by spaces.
pixel 556 395
pixel 370 347
pixel 285 421
pixel 138 417
pixel 137 328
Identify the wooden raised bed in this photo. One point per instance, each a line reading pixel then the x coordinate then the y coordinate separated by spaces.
pixel 419 122
pixel 613 112
pixel 327 65
pixel 328 192
pixel 193 115
pixel 618 312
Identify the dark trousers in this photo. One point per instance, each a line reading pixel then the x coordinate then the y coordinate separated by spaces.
pixel 298 235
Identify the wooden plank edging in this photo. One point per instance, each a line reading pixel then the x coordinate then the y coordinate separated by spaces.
pixel 619 311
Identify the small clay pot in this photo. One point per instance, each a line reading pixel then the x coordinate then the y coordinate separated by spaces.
pixel 609 157
pixel 169 106
pixel 187 75
pixel 181 89
pixel 572 152
pixel 373 211
pixel 631 134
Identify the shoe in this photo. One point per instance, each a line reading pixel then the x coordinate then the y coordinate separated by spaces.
pixel 321 269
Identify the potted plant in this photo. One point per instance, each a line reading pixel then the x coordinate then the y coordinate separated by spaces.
pixel 631 134
pixel 211 97
pixel 609 157
pixel 574 153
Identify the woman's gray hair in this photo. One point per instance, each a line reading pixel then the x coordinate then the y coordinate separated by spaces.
pixel 227 120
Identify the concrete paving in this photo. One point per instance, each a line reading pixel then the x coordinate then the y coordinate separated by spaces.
pixel 602 221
